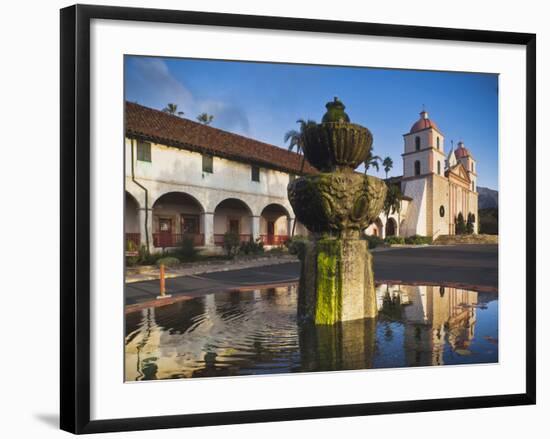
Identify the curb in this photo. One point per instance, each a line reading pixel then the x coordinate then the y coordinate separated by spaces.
pixel 214 269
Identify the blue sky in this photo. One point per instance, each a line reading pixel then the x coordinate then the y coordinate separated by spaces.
pixel 264 100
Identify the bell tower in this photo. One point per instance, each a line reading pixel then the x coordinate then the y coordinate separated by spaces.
pixel 464 156
pixel 424 149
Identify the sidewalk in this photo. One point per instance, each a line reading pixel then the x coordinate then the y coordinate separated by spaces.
pixel 139 274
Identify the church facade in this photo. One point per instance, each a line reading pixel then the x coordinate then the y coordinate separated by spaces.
pixel 437 187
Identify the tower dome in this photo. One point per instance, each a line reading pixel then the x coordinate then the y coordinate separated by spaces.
pixel 423 123
pixel 462 151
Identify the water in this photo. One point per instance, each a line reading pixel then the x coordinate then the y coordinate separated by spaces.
pixel 256 332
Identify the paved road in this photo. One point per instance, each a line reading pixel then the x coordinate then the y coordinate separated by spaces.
pixel 472 264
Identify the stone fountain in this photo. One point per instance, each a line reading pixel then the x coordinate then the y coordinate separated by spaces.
pixel 336 205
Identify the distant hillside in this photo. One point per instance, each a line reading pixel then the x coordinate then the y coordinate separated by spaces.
pixel 488 198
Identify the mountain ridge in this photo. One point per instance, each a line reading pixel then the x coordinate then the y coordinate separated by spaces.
pixel 488 198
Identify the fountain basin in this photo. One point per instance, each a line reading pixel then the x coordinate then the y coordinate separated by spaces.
pixel 341 203
pixel 332 145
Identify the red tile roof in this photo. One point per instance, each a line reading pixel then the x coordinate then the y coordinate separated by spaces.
pixel 159 127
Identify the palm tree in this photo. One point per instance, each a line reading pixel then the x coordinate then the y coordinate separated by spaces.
pixel 205 118
pixel 372 160
pixel 172 109
pixel 387 164
pixel 392 202
pixel 297 138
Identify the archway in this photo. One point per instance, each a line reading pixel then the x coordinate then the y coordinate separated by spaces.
pixel 176 217
pixel 375 229
pixel 391 227
pixel 274 225
pixel 131 222
pixel 232 215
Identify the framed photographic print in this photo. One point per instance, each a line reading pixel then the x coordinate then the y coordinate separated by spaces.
pixel 277 217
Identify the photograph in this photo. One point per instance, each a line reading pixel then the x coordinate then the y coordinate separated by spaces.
pixel 286 218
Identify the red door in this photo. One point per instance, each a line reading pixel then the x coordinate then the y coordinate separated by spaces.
pixel 234 226
pixel 165 232
pixel 270 232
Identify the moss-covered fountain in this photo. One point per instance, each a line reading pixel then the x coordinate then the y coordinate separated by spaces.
pixel 336 205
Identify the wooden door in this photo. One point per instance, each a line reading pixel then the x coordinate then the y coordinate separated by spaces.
pixel 270 232
pixel 165 232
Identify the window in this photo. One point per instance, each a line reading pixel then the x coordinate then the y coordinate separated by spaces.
pixel 441 211
pixel 189 224
pixel 207 163
pixel 437 140
pixel 438 168
pixel 417 143
pixel 472 166
pixel 417 168
pixel 255 173
pixel 143 151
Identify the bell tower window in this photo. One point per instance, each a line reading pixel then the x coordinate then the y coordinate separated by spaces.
pixel 438 166
pixel 437 141
pixel 417 167
pixel 417 143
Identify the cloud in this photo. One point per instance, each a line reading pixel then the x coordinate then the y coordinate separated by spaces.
pixel 153 84
pixel 227 115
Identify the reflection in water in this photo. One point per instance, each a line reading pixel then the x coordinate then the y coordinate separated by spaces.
pixel 256 332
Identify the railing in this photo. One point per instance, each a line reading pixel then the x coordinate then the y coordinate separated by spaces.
pixel 274 239
pixel 134 238
pixel 165 240
pixel 218 238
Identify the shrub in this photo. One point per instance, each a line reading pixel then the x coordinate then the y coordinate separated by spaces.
pixel 187 251
pixel 470 223
pixel 231 244
pixel 297 245
pixel 488 221
pixel 418 240
pixel 168 261
pixel 394 240
pixel 277 251
pixel 144 257
pixel 252 247
pixel 132 247
pixel 374 241
pixel 460 225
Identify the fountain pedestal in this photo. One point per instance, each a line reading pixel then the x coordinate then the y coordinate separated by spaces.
pixel 336 282
pixel 336 205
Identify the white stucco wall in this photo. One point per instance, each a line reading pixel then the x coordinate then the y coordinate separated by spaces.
pixel 175 170
pixel 415 221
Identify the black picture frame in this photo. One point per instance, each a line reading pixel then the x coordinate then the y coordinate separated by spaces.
pixel 75 217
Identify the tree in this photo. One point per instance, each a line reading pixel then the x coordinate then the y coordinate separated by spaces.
pixel 297 138
pixel 205 118
pixel 488 221
pixel 392 202
pixel 387 164
pixel 372 160
pixel 460 225
pixel 173 110
pixel 231 244
pixel 470 223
